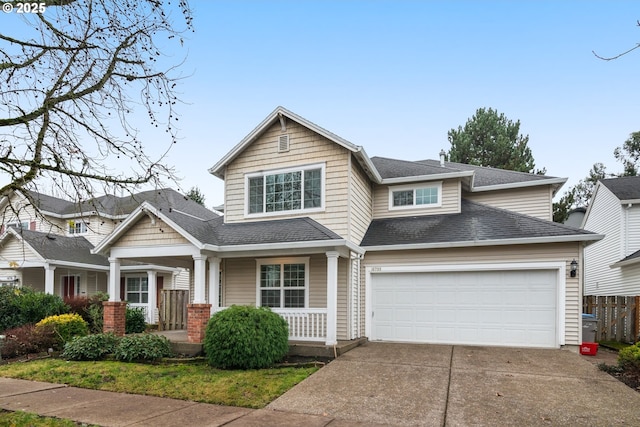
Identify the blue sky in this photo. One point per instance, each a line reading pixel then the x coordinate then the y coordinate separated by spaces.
pixel 395 76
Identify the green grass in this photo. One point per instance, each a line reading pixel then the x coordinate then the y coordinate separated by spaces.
pixel 195 381
pixel 20 419
pixel 614 345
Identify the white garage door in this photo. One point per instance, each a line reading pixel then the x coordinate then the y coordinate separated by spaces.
pixel 515 308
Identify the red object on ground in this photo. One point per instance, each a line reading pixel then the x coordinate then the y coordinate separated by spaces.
pixel 589 348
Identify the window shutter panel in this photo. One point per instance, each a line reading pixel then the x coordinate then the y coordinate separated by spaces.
pixel 2 229
pixel 32 226
pixel 122 289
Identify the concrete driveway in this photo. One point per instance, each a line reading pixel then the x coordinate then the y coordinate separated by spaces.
pixel 441 385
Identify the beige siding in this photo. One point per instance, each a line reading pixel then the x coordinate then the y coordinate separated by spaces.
pixel 144 233
pixel 450 201
pixel 499 254
pixel 534 201
pixel 97 228
pixel 360 203
pixel 632 219
pixel 342 332
pixel 16 250
pixel 239 285
pixel 179 281
pixel 33 278
pixel 306 147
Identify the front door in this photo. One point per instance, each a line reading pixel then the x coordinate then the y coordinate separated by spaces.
pixel 70 286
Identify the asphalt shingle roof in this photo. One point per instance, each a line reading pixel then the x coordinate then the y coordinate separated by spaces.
pixel 483 176
pixel 624 188
pixel 475 222
pixel 62 248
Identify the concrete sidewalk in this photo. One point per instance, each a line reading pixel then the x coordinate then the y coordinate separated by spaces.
pixel 105 408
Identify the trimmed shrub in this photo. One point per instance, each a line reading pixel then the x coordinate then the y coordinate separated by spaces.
pixel 142 347
pixel 629 358
pixel 135 321
pixel 90 347
pixel 90 308
pixel 20 306
pixel 245 337
pixel 66 327
pixel 27 339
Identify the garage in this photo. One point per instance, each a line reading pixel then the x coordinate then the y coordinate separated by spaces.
pixel 504 308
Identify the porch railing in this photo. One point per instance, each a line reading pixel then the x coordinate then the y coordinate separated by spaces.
pixel 305 324
pixel 148 315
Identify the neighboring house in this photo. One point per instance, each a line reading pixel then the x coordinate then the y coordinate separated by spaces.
pixel 345 246
pixel 575 217
pixel 612 266
pixel 50 249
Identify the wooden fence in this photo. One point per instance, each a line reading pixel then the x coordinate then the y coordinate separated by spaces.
pixel 618 317
pixel 173 310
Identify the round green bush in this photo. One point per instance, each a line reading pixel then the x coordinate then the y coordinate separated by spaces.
pixel 135 321
pixel 629 358
pixel 91 347
pixel 142 347
pixel 66 326
pixel 245 337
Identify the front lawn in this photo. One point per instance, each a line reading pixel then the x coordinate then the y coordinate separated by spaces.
pixel 18 419
pixel 195 381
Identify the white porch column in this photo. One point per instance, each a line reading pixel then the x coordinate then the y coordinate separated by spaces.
pixel 114 279
pixel 332 297
pixel 152 280
pixel 48 279
pixel 199 277
pixel 214 283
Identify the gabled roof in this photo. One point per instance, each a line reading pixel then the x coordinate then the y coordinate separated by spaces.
pixel 625 188
pixel 632 259
pixel 282 113
pixel 476 225
pixel 53 247
pixel 391 171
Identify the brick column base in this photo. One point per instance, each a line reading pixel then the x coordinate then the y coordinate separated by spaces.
pixel 197 318
pixel 114 317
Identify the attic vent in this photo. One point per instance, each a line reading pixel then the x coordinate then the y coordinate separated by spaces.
pixel 283 143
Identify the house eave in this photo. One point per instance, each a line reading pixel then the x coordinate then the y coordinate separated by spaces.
pixel 556 182
pixel 433 177
pixel 315 246
pixel 588 238
pixel 625 263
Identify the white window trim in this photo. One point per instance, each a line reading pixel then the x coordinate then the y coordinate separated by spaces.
pixel 19 224
pixel 414 187
pixel 126 286
pixel 270 261
pixel 302 210
pixel 82 233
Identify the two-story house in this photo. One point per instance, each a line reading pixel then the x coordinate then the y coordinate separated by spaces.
pixel 49 248
pixel 347 246
pixel 612 265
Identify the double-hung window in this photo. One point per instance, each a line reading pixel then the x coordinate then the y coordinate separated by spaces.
pixel 19 224
pixel 283 284
pixel 415 196
pixel 77 227
pixel 137 290
pixel 289 190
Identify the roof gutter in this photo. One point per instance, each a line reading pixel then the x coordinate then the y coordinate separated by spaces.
pixel 314 244
pixel 438 176
pixel 550 181
pixel 494 242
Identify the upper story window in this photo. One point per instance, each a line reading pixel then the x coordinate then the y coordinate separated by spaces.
pixel 19 224
pixel 287 190
pixel 415 196
pixel 77 227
